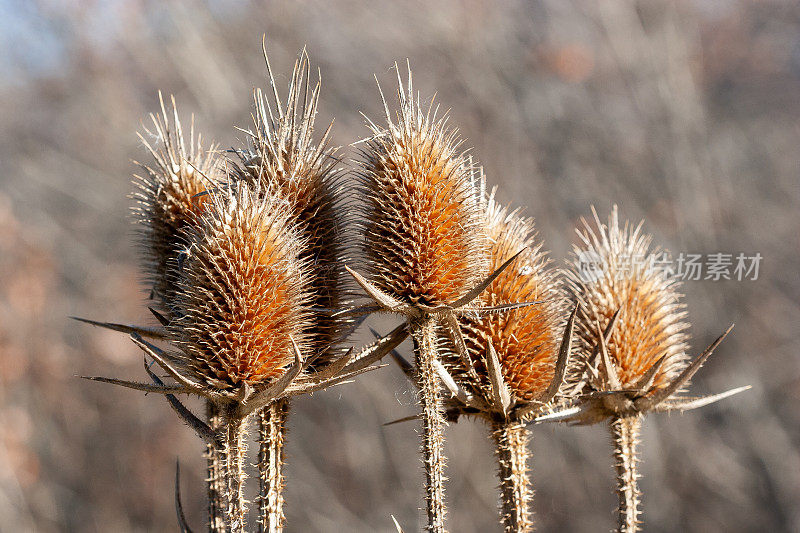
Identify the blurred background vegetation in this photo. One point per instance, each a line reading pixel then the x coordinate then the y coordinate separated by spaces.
pixel 684 113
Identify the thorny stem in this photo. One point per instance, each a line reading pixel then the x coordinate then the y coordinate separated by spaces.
pixel 511 447
pixel 215 478
pixel 432 422
pixel 271 434
pixel 625 433
pixel 235 439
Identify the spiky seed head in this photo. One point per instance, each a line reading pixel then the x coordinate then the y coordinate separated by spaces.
pixel 614 268
pixel 284 159
pixel 526 340
pixel 423 227
pixel 242 296
pixel 169 197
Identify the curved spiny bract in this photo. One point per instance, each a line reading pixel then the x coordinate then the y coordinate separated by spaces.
pixel 614 269
pixel 169 198
pixel 284 159
pixel 526 340
pixel 242 297
pixel 423 226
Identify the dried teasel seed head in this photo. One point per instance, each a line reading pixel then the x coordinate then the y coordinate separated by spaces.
pixel 169 197
pixel 613 268
pixel 423 226
pixel 526 340
pixel 242 295
pixel 285 160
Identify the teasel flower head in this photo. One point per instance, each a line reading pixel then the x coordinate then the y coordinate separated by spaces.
pixel 243 298
pixel 518 356
pixel 284 159
pixel 652 321
pixel 631 328
pixel 239 334
pixel 169 197
pixel 423 228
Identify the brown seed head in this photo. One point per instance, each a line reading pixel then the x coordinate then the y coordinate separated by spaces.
pixel 284 160
pixel 526 340
pixel 242 291
pixel 167 198
pixel 613 268
pixel 423 226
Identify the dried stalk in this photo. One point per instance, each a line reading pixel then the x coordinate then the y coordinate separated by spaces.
pixel 215 480
pixel 511 447
pixel 432 422
pixel 271 434
pixel 234 452
pixel 625 434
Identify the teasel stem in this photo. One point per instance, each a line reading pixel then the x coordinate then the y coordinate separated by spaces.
pixel 625 432
pixel 234 451
pixel 432 422
pixel 271 435
pixel 511 447
pixel 215 480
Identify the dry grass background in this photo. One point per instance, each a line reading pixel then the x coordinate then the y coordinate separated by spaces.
pixel 684 113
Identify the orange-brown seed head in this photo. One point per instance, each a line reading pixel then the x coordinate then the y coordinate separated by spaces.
pixel 242 291
pixel 285 160
pixel 613 268
pixel 167 200
pixel 526 340
pixel 423 226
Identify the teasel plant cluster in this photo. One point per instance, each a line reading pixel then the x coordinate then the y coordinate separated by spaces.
pixel 249 255
pixel 244 259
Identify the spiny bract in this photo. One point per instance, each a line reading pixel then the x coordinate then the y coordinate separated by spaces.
pixel 284 160
pixel 615 269
pixel 170 198
pixel 423 227
pixel 526 340
pixel 242 297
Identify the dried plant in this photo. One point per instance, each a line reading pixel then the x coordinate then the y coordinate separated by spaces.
pixel 425 244
pixel 242 298
pixel 242 312
pixel 215 473
pixel 425 247
pixel 283 159
pixel 169 198
pixel 517 358
pixel 241 316
pixel 245 260
pixel 632 311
